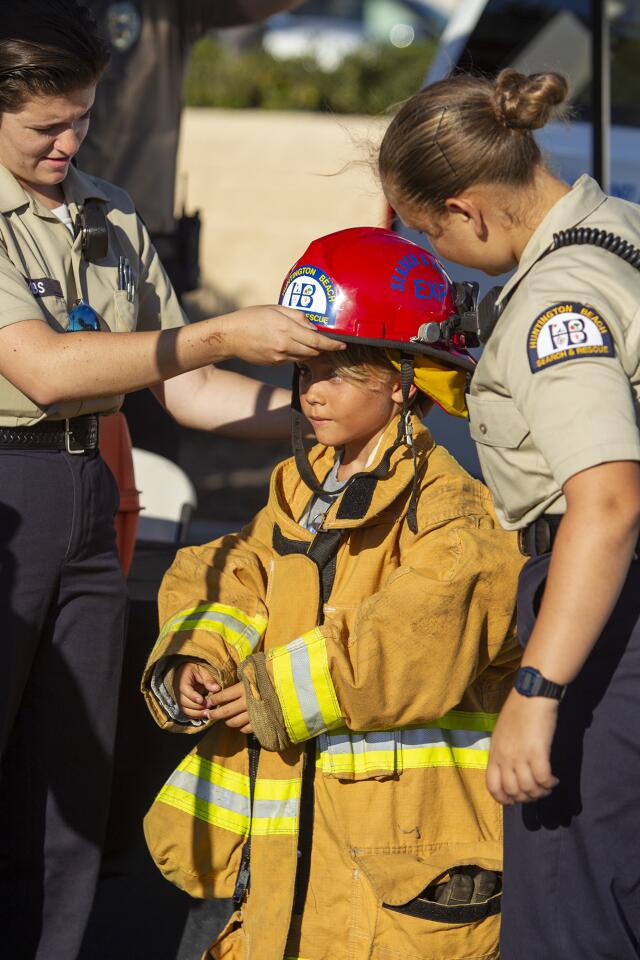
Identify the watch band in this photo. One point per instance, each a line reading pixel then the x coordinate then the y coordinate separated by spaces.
pixel 531 683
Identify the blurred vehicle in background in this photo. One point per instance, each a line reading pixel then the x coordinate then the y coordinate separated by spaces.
pixel 541 35
pixel 484 36
pixel 329 30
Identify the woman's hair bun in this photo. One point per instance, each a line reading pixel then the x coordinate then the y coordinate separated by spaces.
pixel 528 102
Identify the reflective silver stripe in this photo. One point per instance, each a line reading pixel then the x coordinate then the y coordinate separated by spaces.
pixel 270 809
pixel 209 792
pixel 164 698
pixel 250 633
pixel 305 690
pixel 350 752
pixel 228 800
pixel 342 743
pixel 434 737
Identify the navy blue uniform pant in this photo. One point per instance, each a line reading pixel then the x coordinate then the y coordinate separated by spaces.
pixel 572 860
pixel 62 610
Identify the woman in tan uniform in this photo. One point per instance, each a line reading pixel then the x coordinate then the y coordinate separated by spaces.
pixel 554 410
pixel 77 271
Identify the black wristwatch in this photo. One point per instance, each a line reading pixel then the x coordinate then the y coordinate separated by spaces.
pixel 531 683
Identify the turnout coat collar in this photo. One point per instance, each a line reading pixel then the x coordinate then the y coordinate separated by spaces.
pixel 289 495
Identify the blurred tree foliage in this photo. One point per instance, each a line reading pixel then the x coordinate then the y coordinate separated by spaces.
pixel 369 81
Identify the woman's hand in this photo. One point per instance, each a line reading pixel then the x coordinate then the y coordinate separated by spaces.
pixel 592 551
pixel 271 334
pixel 519 761
pixel 192 683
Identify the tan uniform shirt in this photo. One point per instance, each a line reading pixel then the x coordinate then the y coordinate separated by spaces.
pixel 557 388
pixel 43 273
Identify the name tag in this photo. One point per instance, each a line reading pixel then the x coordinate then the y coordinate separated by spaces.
pixel 45 287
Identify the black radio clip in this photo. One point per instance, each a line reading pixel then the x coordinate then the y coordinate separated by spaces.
pixel 91 225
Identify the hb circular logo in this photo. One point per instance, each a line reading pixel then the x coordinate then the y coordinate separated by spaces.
pixel 309 289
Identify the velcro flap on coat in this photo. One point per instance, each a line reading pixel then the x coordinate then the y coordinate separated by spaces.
pixel 397 878
pixel 293 598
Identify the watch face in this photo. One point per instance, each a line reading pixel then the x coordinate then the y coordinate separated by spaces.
pixel 528 681
pixel 123 25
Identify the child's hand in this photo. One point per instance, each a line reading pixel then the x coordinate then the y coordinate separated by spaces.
pixel 192 685
pixel 231 706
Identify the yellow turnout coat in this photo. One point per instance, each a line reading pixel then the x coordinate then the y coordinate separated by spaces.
pixel 391 683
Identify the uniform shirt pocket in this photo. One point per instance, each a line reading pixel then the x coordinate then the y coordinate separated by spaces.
pixel 125 312
pixel 514 470
pixel 496 422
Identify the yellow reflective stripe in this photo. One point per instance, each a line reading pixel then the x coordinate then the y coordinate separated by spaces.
pixel 239 630
pixel 274 826
pixel 256 622
pixel 286 692
pixel 270 789
pixel 304 686
pixel 213 793
pixel 384 760
pixel 464 720
pixel 322 682
pixel 215 773
pixel 416 759
pixel 410 748
pixel 203 810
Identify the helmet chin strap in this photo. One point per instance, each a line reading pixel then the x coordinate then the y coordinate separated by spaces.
pixel 406 381
pixel 403 436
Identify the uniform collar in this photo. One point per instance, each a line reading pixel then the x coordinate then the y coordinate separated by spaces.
pixel 12 195
pixel 78 188
pixel 584 197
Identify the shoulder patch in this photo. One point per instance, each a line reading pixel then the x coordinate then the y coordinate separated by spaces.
pixel 567 331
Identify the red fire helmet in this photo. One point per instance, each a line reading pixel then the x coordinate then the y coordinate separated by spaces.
pixel 368 285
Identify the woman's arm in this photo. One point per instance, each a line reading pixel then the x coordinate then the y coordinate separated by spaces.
pixel 227 402
pixel 50 367
pixel 591 556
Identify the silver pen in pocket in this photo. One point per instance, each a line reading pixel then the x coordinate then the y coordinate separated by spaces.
pixel 126 279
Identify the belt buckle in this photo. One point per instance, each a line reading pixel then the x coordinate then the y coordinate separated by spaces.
pixel 542 536
pixel 524 541
pixel 67 440
pixel 534 540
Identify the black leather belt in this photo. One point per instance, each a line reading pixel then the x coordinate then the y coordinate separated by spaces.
pixel 538 537
pixel 79 435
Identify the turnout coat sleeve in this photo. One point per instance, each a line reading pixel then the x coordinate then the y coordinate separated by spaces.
pixel 212 609
pixel 442 622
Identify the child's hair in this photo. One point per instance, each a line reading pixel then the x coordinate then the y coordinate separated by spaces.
pixel 466 130
pixel 47 48
pixel 363 364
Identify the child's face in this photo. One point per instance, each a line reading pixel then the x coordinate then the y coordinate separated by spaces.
pixel 341 410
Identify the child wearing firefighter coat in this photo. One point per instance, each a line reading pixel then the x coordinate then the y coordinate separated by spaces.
pixel 348 653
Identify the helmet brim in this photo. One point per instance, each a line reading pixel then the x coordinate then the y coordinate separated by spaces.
pixel 411 346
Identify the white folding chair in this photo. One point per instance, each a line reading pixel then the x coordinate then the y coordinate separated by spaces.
pixel 167 497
